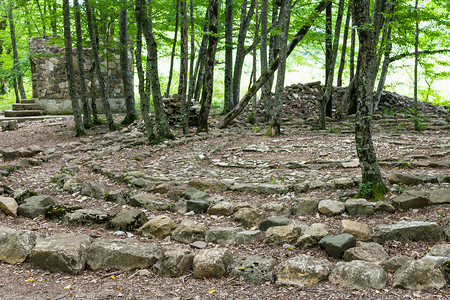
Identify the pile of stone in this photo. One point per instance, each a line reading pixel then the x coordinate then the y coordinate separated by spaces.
pixel 172 107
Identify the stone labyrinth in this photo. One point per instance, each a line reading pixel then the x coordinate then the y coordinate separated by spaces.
pixel 268 214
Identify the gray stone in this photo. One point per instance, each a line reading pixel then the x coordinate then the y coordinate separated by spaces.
pixel 221 209
pixel 198 206
pixel 305 206
pixel 94 190
pixel 9 206
pixel 444 178
pixel 255 269
pixel 9 125
pixel 299 188
pixel 9 153
pixel 410 179
pixel 276 208
pixel 210 184
pixel 126 254
pixel 180 206
pixel 150 202
pixel 85 217
pixel 440 196
pixel 189 231
pixel 280 235
pixel 212 263
pixel 410 200
pixel 359 274
pixel 16 246
pixel 440 250
pixel 128 220
pixel 63 252
pixel 117 196
pixel 331 208
pixel 249 237
pixel 396 262
pixel 359 207
pixel 21 195
pixel 35 206
pixel 274 221
pixel 269 188
pixel 240 205
pixel 174 262
pixel 250 216
pixel 73 185
pixel 193 193
pixel 336 245
pixel 418 275
pixel 408 231
pixel 382 206
pixel 317 184
pixel 343 183
pixel 222 235
pixel 371 252
pixel 313 234
pixel 361 231
pixel 302 269
pixel 244 187
pixel 199 245
pixel 159 227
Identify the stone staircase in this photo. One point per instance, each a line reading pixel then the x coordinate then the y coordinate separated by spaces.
pixel 27 108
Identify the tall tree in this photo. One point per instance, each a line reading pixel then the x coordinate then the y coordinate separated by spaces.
pixel 87 122
pixel 101 82
pixel 174 45
pixel 18 81
pixel 266 88
pixel 192 55
pixel 79 128
pixel 209 68
pixel 125 69
pixel 416 64
pixel 344 45
pixel 182 88
pixel 228 80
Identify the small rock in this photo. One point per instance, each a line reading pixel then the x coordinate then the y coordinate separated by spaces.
pixel 359 207
pixel 305 206
pixel 396 262
pixel 343 183
pixel 128 220
pixel 85 217
pixel 150 202
pixel 16 246
pixel 9 206
pixel 359 274
pixel 221 209
pixel 410 200
pixel 159 227
pixel 361 231
pixel 331 208
pixel 255 269
pixel 199 245
pixel 371 252
pixel 440 250
pixel 440 196
pixel 276 208
pixel 336 245
pixel 280 235
pixel 35 206
pixel 382 206
pixel 410 179
pixel 174 262
pixel 193 193
pixel 198 206
pixel 408 231
pixel 418 275
pixel 248 237
pixel 313 234
pixel 250 216
pixel 222 235
pixel 274 221
pixel 212 263
pixel 189 231
pixel 302 269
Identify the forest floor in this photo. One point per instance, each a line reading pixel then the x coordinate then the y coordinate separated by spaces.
pixel 238 154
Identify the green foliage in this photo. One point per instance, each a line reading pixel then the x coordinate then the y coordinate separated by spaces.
pixel 366 190
pixel 58 211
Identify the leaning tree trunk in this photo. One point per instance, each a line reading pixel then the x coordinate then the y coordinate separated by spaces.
pixel 17 75
pixel 364 83
pixel 209 68
pixel 344 45
pixel 275 126
pixel 79 128
pixel 182 88
pixel 228 80
pixel 125 69
pixel 87 121
pixel 101 82
pixel 174 45
pixel 152 57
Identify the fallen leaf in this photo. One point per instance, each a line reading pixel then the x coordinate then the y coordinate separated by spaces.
pixel 211 291
pixel 241 268
pixel 29 280
pixel 112 277
pixel 68 287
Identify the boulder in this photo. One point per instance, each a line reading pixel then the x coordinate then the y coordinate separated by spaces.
pixel 361 231
pixel 440 250
pixel 222 208
pixel 359 207
pixel 198 206
pixel 411 179
pixel 189 231
pixel 35 206
pixel 73 185
pixel 408 231
pixel 128 220
pixel 193 193
pixel 250 216
pixel 94 190
pixel 249 237
pixel 150 202
pixel 276 208
pixel 302 269
pixel 305 206
pixel 371 252
pixel 359 274
pixel 255 269
pixel 9 206
pixel 212 263
pixel 440 196
pixel 382 206
pixel 174 262
pixel 418 275
pixel 21 195
pixel 222 235
pixel 269 188
pixel 331 208
pixel 85 217
pixel 159 227
pixel 274 221
pixel 209 184
pixel 336 245
pixel 16 246
pixel 409 200
pixel 65 252
pixel 280 235
pixel 118 196
pixel 343 183
pixel 395 263
pixel 313 234
pixel 126 254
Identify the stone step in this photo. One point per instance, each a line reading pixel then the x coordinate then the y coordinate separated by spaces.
pixel 23 113
pixel 28 101
pixel 25 106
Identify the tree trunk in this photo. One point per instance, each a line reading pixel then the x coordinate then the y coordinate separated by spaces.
pixel 416 64
pixel 275 126
pixel 102 87
pixel 266 88
pixel 182 88
pixel 2 82
pixel 54 27
pixel 384 69
pixel 254 67
pixel 209 68
pixel 87 122
pixel 240 49
pixel 201 61
pixel 352 52
pixel 344 45
pixel 79 128
pixel 125 69
pixel 364 84
pixel 174 45
pixel 145 97
pixel 16 68
pixel 228 80
pixel 192 55
pixel 152 57
pixel 268 73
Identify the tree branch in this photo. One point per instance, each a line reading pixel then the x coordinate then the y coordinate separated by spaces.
pixel 403 55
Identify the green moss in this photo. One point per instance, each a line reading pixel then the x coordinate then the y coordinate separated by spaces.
pixel 368 190
pixel 32 193
pixel 58 211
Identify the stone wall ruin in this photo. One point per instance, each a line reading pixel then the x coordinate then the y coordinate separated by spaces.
pixel 49 77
